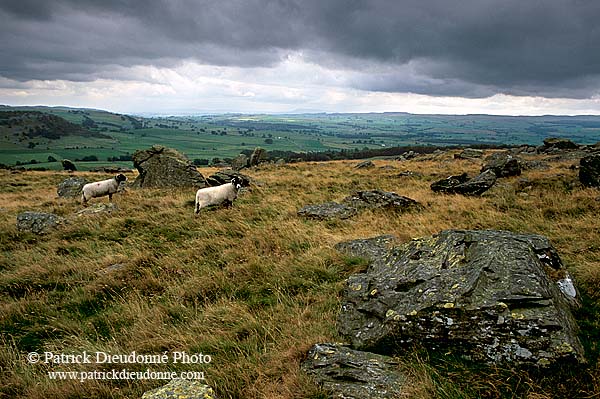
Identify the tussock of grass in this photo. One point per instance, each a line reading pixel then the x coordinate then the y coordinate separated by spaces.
pixel 254 286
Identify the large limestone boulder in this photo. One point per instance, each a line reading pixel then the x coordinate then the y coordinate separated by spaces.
pixel 38 222
pixel 490 296
pixel 589 170
pixel 347 373
pixel 503 164
pixel 71 187
pixel 160 166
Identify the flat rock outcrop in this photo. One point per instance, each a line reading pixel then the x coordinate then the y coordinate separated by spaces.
pixel 461 184
pixel 503 164
pixel 359 201
pixel 469 153
pixel 38 222
pixel 71 187
pixel 161 167
pixel 347 373
pixel 365 165
pixel 490 296
pixel 589 170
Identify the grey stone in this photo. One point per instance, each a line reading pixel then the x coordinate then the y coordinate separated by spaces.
pixel 491 296
pixel 68 165
pixel 38 222
pixel 165 167
pixel 71 187
pixel 326 211
pixel 447 185
pixel 477 185
pixel 181 389
pixel 558 143
pixel 240 162
pixel 365 165
pixel 98 208
pixel 258 156
pixel 469 153
pixel 225 176
pixel 589 170
pixel 351 374
pixel 503 164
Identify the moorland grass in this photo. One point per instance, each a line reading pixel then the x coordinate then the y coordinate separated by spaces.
pixel 254 286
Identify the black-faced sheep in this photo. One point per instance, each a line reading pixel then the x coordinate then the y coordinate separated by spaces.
pixel 101 188
pixel 225 193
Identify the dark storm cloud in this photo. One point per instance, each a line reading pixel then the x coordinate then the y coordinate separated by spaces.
pixel 469 48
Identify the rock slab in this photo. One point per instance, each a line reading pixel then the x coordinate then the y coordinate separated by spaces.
pixel 503 164
pixel 589 170
pixel 461 184
pixel 347 373
pixel 490 296
pixel 162 167
pixel 181 389
pixel 38 222
pixel 71 187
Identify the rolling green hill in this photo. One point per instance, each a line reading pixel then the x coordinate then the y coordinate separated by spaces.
pixel 115 136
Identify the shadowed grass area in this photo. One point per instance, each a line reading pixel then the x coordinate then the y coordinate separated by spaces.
pixel 254 286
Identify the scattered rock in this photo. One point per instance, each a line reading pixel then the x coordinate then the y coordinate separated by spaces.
pixel 358 201
pixel 503 164
pixel 369 248
pixel 225 176
pixel 326 211
pixel 589 170
pixel 240 162
pixel 160 166
pixel 365 165
pixel 38 222
pixel 535 165
pixel 258 156
pixel 98 208
pixel 469 153
pixel 448 184
pixel 280 162
pixel 557 143
pixel 71 187
pixel 68 165
pixel 491 296
pixel 117 267
pixel 347 373
pixel 410 173
pixel 110 169
pixel 477 185
pixel 181 389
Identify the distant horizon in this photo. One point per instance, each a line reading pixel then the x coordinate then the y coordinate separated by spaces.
pixel 292 112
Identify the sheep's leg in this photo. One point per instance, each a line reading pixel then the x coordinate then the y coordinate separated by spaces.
pixel 227 203
pixel 197 208
pixel 109 197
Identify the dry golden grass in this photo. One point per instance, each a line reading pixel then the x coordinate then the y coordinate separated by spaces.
pixel 254 286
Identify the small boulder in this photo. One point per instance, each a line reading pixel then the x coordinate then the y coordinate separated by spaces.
pixel 347 373
pixel 447 185
pixel 162 167
pixel 589 170
pixel 38 222
pixel 365 165
pixel 258 156
pixel 556 143
pixel 372 199
pixel 327 211
pixel 97 209
pixel 225 176
pixel 71 187
pixel 491 296
pixel 181 389
pixel 503 164
pixel 469 153
pixel 477 185
pixel 68 165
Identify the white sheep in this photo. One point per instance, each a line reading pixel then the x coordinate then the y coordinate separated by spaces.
pixel 101 188
pixel 225 193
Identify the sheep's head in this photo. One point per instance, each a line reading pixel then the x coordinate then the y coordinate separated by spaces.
pixel 237 182
pixel 120 178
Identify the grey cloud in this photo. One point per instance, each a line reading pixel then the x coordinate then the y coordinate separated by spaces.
pixel 471 48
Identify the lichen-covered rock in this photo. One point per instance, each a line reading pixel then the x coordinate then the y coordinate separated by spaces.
pixel 71 187
pixel 359 201
pixel 447 185
pixel 469 153
pixel 350 374
pixel 181 389
pixel 492 296
pixel 258 156
pixel 38 222
pixel 225 176
pixel 552 144
pixel 326 211
pixel 365 165
pixel 240 162
pixel 589 170
pixel 503 164
pixel 163 167
pixel 461 184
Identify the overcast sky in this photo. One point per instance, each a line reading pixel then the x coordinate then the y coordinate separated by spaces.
pixel 183 56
